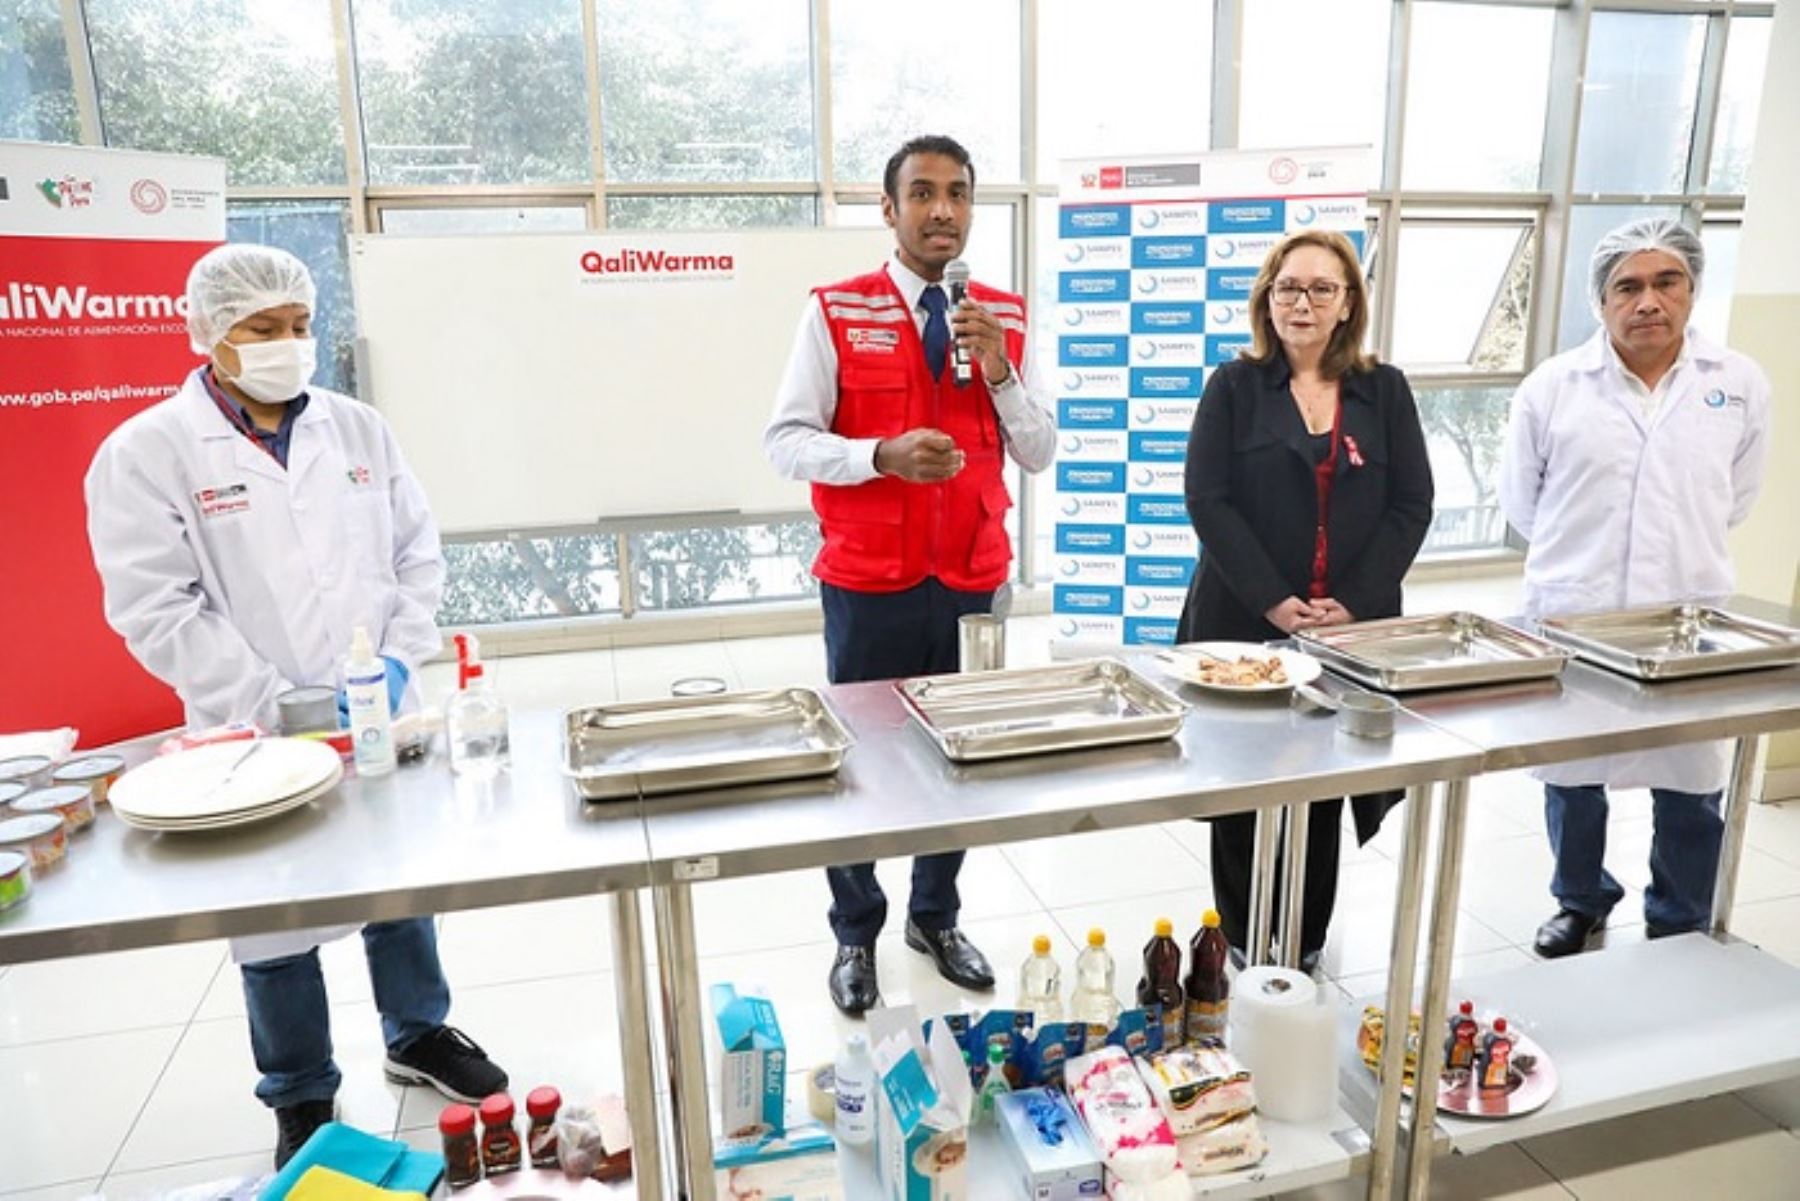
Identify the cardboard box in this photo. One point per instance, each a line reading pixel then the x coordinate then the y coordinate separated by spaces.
pixel 922 1109
pixel 1066 1169
pixel 752 1064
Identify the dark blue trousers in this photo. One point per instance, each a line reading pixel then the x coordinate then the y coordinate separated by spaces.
pixel 886 636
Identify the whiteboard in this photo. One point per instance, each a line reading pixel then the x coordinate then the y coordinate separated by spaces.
pixel 561 379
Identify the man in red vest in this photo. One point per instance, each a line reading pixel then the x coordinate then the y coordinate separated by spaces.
pixel 907 472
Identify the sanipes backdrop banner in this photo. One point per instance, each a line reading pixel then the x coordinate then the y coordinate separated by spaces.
pixel 95 247
pixel 1156 257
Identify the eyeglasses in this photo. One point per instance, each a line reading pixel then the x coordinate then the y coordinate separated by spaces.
pixel 1321 292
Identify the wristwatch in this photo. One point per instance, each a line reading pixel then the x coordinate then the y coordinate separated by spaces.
pixel 1004 380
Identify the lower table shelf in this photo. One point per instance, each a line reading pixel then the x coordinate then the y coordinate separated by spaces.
pixel 1629 1029
pixel 1300 1156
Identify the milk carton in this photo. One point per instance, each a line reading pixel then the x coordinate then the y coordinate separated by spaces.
pixel 752 1065
pixel 922 1108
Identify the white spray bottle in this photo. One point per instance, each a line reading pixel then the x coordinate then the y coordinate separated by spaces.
pixel 476 718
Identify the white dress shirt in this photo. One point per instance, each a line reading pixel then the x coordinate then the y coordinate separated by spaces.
pixel 1648 398
pixel 799 441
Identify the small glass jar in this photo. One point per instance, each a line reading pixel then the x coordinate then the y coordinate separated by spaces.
pixel 15 879
pixel 33 771
pixel 40 836
pixel 73 803
pixel 462 1151
pixel 540 1136
pixel 499 1140
pixel 96 772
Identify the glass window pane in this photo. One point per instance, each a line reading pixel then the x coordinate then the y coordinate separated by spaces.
pixel 535 218
pixel 1495 145
pixel 1465 430
pixel 1104 89
pixel 315 232
pixel 1587 224
pixel 1287 44
pixel 37 100
pixel 490 582
pixel 1637 102
pixel 707 91
pixel 726 565
pixel 933 66
pixel 1740 94
pixel 989 252
pixel 709 212
pixel 1712 308
pixel 465 91
pixel 253 81
pixel 1462 296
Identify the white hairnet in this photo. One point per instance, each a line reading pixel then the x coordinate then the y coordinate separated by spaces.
pixel 1635 237
pixel 231 282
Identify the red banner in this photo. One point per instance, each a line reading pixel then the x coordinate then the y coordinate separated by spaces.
pixel 92 330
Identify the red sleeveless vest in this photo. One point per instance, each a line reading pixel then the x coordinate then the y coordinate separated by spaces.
pixel 887 534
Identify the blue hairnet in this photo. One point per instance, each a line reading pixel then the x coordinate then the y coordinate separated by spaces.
pixel 1635 237
pixel 233 281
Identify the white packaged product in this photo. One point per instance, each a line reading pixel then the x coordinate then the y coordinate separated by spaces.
pixel 1198 1087
pixel 1284 1029
pixel 1127 1126
pixel 1226 1148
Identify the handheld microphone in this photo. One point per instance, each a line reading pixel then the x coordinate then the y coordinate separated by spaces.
pixel 956 277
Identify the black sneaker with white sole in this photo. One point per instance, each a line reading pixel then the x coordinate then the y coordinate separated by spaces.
pixel 294 1124
pixel 447 1060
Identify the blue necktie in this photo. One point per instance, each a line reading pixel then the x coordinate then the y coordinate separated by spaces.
pixel 937 330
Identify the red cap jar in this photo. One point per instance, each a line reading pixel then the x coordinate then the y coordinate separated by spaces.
pixel 462 1153
pixel 499 1141
pixel 541 1105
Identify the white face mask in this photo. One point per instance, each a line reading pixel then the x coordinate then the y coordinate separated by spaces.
pixel 274 372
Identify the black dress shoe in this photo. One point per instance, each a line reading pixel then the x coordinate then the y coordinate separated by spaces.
pixel 1655 932
pixel 853 986
pixel 1567 933
pixel 294 1124
pixel 956 957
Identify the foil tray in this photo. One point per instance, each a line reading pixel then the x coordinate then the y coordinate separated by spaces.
pixel 612 752
pixel 1448 650
pixel 987 715
pixel 1675 641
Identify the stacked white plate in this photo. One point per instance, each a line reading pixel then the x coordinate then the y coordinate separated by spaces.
pixel 226 784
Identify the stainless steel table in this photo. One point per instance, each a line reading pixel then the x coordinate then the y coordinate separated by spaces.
pixel 416 842
pixel 1591 711
pixel 897 795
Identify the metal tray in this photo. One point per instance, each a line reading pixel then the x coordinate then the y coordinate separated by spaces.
pixel 650 747
pixel 1449 650
pixel 1675 641
pixel 985 715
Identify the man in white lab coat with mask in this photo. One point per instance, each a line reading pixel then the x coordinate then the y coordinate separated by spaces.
pixel 242 529
pixel 1627 461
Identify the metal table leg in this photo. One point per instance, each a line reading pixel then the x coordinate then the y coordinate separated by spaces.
pixel 679 970
pixel 1293 895
pixel 634 1047
pixel 1262 885
pixel 1404 950
pixel 1746 766
pixel 1442 947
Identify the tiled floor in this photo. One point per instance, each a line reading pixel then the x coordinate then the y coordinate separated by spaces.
pixel 131 1073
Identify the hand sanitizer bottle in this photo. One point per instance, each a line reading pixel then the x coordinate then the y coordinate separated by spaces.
pixel 476 718
pixel 365 690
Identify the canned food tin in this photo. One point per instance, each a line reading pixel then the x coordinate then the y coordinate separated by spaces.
pixel 42 836
pixel 98 772
pixel 71 802
pixel 33 771
pixel 15 879
pixel 1367 714
pixel 10 792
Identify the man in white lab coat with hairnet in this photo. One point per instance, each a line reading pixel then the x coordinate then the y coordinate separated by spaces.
pixel 242 529
pixel 1627 461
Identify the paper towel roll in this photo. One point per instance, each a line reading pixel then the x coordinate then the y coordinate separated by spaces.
pixel 1287 1037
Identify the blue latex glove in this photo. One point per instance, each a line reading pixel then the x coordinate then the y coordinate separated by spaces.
pixel 397 676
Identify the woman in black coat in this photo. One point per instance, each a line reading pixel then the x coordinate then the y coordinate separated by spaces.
pixel 1309 487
